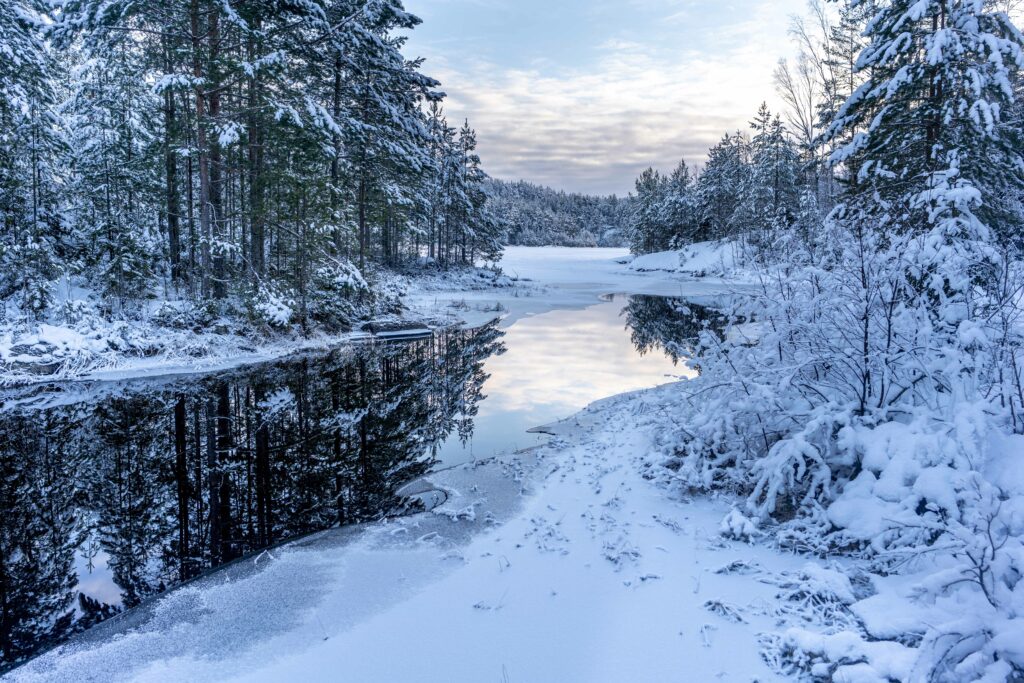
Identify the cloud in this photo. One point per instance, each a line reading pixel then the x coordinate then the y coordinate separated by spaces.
pixel 593 126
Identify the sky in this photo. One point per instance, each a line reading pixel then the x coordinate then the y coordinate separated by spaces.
pixel 582 95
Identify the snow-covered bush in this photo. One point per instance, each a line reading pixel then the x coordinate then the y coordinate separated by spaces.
pixel 341 295
pixel 269 305
pixel 861 418
pixel 28 272
pixel 979 593
pixel 738 526
pixel 185 315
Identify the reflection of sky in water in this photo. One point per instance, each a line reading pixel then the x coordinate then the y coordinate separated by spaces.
pixel 556 364
pixel 98 583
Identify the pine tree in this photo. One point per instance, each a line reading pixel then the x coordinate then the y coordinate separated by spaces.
pixel 679 213
pixel 719 186
pixel 769 195
pixel 647 233
pixel 386 136
pixel 930 152
pixel 483 233
pixel 115 185
pixel 29 148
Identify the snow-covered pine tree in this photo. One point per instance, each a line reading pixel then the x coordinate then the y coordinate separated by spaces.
pixel 30 144
pixel 718 188
pixel 453 201
pixel 115 186
pixel 385 135
pixel 769 195
pixel 483 230
pixel 679 212
pixel 647 232
pixel 933 142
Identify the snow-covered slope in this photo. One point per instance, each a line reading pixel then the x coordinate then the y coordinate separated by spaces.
pixel 714 259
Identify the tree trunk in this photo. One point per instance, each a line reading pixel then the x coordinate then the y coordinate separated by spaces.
pixel 215 169
pixel 336 161
pixel 256 232
pixel 205 227
pixel 362 221
pixel 171 177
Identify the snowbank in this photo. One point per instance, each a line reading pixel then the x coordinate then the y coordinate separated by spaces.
pixel 702 259
pixel 662 260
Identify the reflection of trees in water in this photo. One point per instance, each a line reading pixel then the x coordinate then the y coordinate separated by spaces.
pixel 671 324
pixel 175 480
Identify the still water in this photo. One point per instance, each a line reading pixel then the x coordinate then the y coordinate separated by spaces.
pixel 112 492
pixel 559 362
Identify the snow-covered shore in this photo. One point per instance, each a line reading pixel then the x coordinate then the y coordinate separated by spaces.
pixel 89 347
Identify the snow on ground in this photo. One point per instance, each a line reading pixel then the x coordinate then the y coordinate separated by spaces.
pixel 98 349
pixel 175 337
pixel 74 356
pixel 560 563
pixel 719 258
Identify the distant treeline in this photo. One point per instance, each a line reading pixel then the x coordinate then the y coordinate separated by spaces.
pixel 534 215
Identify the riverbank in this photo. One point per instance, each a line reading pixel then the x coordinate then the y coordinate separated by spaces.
pixel 178 337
